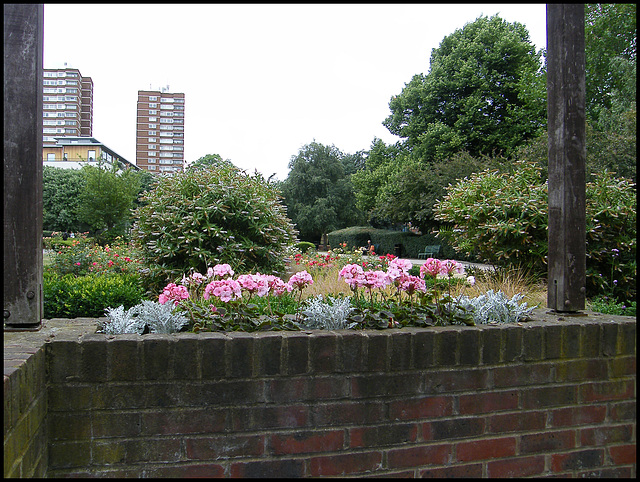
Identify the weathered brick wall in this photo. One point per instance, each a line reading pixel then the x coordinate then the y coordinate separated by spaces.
pixel 532 399
pixel 25 408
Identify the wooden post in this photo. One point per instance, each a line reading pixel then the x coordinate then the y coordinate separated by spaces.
pixel 567 153
pixel 23 76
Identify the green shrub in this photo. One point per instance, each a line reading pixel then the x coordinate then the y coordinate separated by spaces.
pixel 503 217
pixel 199 218
pixel 603 304
pixel 304 246
pixel 70 296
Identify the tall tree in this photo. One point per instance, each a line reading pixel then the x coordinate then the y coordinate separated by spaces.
pixel 210 161
pixel 60 199
pixel 318 192
pixel 610 57
pixel 479 95
pixel 107 198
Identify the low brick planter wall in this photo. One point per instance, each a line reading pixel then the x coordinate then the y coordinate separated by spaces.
pixel 548 397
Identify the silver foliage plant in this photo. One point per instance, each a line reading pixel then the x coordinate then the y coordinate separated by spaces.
pixel 496 308
pixel 160 318
pixel 320 315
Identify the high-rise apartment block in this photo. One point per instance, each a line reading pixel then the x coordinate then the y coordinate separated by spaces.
pixel 160 131
pixel 67 105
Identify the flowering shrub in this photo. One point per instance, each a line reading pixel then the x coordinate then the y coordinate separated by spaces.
pixel 82 258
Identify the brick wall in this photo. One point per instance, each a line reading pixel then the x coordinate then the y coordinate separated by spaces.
pixel 25 408
pixel 530 399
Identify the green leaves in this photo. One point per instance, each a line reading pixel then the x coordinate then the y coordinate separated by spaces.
pixel 211 215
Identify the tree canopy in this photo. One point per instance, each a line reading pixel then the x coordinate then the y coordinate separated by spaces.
pixel 482 94
pixel 318 192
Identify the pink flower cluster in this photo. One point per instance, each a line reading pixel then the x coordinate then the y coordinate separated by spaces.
pixel 173 292
pixel 434 267
pixel 397 273
pixel 228 289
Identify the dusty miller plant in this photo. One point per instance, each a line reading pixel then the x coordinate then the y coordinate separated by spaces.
pixel 121 321
pixel 160 318
pixel 496 308
pixel 328 316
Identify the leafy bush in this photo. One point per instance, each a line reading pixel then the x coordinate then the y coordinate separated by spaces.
pixel 603 304
pixel 304 246
pixel 70 296
pixel 504 218
pixel 204 217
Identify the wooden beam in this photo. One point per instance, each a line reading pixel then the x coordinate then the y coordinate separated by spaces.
pixel 23 76
pixel 567 153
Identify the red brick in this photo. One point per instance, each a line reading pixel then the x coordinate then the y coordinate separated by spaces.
pixel 488 402
pixel 623 454
pixel 457 471
pixel 601 436
pixel 382 435
pixel 266 417
pixel 551 396
pixel 419 456
pixel 521 375
pixel 577 460
pixel 547 442
pixel 516 422
pixel 486 449
pixel 606 473
pixel 342 413
pixel 518 467
pixel 428 407
pixel 223 446
pixel 611 390
pixel 328 387
pixel 307 442
pixel 576 416
pixel 622 411
pixel 349 463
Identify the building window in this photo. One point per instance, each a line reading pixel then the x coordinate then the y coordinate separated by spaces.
pixel 153 106
pixel 152 161
pixel 91 155
pixel 153 112
pixel 152 126
pixel 152 139
pixel 151 153
pixel 152 168
pixel 51 157
pixel 153 97
pixel 153 119
pixel 152 133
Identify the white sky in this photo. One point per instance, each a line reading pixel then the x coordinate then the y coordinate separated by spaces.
pixel 260 80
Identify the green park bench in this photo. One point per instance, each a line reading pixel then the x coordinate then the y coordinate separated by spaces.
pixel 429 251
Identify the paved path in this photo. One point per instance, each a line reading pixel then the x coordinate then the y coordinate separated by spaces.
pixel 420 262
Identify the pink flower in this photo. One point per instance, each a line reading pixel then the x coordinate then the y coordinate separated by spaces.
pixel 127 258
pixel 450 267
pixel 78 263
pixel 173 292
pixel 222 270
pixel 254 283
pixel 300 280
pixel 410 284
pixel 277 286
pixel 110 263
pixel 374 279
pixel 351 271
pixel 430 267
pixel 226 289
pixel 398 266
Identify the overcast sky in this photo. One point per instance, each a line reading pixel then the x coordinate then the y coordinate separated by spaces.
pixel 260 81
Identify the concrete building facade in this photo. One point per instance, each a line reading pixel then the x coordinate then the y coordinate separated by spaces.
pixel 67 107
pixel 160 131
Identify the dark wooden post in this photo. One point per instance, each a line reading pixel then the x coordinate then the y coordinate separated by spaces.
pixel 567 152
pixel 23 40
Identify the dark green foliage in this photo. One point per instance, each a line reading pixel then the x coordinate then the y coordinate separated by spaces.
pixel 70 296
pixel 60 199
pixel 202 217
pixel 318 192
pixel 107 199
pixel 484 92
pixel 610 56
pixel 504 218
